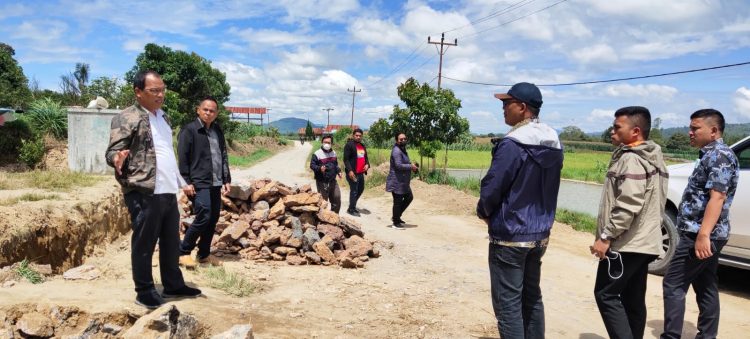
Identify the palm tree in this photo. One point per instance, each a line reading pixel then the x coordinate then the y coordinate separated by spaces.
pixel 81 75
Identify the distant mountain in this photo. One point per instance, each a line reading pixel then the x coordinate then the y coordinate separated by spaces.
pixel 739 130
pixel 291 125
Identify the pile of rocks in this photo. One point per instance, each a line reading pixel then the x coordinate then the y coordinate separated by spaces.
pixel 267 220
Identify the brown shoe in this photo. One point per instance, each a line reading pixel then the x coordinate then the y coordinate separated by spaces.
pixel 210 260
pixel 188 262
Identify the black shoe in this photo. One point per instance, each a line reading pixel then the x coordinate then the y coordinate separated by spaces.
pixel 150 300
pixel 184 291
pixel 401 222
pixel 353 212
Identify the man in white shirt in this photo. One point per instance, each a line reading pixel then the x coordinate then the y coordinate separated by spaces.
pixel 140 150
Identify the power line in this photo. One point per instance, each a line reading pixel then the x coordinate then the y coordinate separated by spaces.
pixel 610 80
pixel 493 15
pixel 514 20
pixel 413 55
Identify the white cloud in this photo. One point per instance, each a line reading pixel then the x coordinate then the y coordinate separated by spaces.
pixel 239 74
pixel 741 101
pixel 331 10
pixel 304 55
pixel 598 115
pixel 656 11
pixel 44 42
pixel 422 21
pixel 13 10
pixel 671 47
pixel 272 37
pixel 660 92
pixel 483 114
pixel 368 31
pixel 599 54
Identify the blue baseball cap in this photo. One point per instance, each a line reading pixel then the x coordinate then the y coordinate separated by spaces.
pixel 523 91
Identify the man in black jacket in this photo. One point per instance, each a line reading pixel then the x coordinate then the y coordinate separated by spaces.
pixel 204 166
pixel 326 168
pixel 356 164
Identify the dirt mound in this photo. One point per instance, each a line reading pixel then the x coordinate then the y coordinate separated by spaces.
pixel 44 321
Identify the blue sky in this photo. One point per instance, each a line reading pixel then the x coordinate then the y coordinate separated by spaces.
pixel 298 57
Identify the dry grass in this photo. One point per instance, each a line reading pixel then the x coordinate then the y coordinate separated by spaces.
pixel 28 197
pixel 230 282
pixel 50 180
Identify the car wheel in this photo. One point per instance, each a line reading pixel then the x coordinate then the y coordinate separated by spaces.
pixel 669 238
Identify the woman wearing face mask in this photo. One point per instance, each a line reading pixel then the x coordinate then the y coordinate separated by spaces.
pixel 326 167
pixel 398 180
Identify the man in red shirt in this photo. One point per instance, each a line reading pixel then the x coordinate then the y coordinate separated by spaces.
pixel 356 165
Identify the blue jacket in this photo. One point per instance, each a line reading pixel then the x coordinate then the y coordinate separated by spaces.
pixel 399 174
pixel 519 193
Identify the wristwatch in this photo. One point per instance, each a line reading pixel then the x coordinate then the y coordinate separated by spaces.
pixel 604 236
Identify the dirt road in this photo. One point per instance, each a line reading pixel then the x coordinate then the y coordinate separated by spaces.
pixel 432 283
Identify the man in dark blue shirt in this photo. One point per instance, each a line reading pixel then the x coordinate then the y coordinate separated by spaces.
pixel 703 222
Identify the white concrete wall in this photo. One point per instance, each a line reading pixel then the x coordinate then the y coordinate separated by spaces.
pixel 88 137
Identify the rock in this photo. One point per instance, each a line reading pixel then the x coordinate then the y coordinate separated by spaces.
pixel 261 215
pixel 347 262
pixel 295 260
pixel 294 242
pixel 312 258
pixel 187 221
pixel 328 241
pixel 329 217
pixel 302 199
pixel 265 253
pixel 221 226
pixel 235 231
pixel 305 208
pixel 271 223
pixel 236 332
pixel 83 272
pixel 323 204
pixel 357 246
pixel 164 322
pixel 273 236
pixel 265 192
pixel 336 233
pixel 36 325
pixel 261 205
pixel 309 238
pixel 305 188
pixel 112 329
pixel 284 190
pixel 363 258
pixel 297 229
pixel 308 218
pixel 93 327
pixel 277 210
pixel 11 283
pixel 350 227
pixel 324 252
pixel 375 253
pixel 241 191
pixel 276 257
pixel 285 251
pixel 256 225
pixel 42 269
pixel 228 204
pixel 244 242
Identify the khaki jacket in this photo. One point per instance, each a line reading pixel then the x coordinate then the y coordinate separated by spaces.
pixel 633 199
pixel 131 130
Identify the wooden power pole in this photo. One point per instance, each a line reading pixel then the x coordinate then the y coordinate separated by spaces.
pixel 354 92
pixel 329 115
pixel 442 51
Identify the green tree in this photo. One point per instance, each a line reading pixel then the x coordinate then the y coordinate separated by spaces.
pixel 188 75
pixel 118 93
pixel 607 135
pixel 656 135
pixel 573 133
pixel 14 86
pixel 678 141
pixel 380 132
pixel 309 132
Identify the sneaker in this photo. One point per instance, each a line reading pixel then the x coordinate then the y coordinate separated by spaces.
pixel 210 260
pixel 398 226
pixel 353 212
pixel 188 261
pixel 401 222
pixel 184 291
pixel 150 300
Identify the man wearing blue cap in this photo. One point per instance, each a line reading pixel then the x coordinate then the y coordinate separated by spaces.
pixel 517 200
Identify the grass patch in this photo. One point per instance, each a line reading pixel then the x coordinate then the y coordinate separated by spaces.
pixel 468 185
pixel 581 222
pixel 28 197
pixel 374 179
pixel 25 271
pixel 229 282
pixel 249 160
pixel 51 180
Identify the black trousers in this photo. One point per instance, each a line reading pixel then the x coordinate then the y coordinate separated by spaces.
pixel 622 301
pixel 355 189
pixel 154 217
pixel 685 270
pixel 400 203
pixel 206 207
pixel 331 192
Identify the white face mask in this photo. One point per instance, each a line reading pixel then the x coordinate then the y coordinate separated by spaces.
pixel 327 146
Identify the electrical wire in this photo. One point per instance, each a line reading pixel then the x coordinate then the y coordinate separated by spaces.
pixel 608 80
pixel 512 21
pixel 493 15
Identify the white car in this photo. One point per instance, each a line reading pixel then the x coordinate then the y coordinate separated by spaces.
pixel 737 251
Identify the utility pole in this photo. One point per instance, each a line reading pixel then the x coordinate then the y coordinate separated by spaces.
pixel 354 92
pixel 441 52
pixel 268 118
pixel 329 115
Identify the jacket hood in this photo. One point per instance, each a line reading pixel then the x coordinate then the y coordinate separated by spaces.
pixel 649 151
pixel 541 141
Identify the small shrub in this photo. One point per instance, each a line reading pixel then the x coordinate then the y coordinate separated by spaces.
pixel 46 116
pixel 24 270
pixel 31 152
pixel 229 282
pixel 11 135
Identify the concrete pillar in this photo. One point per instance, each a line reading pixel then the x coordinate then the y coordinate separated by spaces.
pixel 88 137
